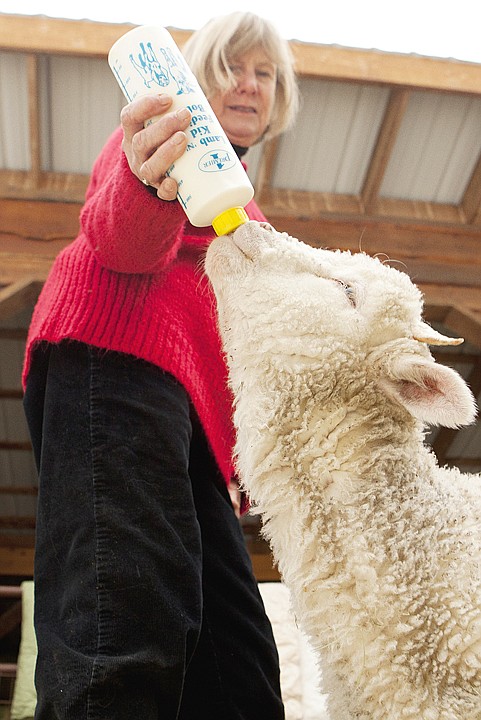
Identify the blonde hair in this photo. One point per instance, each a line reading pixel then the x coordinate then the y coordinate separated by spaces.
pixel 210 51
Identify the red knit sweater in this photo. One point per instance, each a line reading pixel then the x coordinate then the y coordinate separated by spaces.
pixel 132 281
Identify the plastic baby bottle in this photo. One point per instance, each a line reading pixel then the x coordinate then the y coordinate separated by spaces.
pixel 213 187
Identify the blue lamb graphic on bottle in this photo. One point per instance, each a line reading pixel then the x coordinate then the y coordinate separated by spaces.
pixel 176 69
pixel 151 69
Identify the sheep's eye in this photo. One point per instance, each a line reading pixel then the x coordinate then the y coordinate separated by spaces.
pixel 349 291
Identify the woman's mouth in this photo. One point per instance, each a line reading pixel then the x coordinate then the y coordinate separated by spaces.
pixel 243 109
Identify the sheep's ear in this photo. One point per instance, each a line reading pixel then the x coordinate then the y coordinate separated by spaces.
pixel 433 393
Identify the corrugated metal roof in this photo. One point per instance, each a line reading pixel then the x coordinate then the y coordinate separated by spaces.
pixel 436 150
pixel 330 146
pixel 81 108
pixel 328 150
pixel 14 129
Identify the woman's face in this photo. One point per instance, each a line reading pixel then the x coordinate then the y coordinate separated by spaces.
pixel 245 111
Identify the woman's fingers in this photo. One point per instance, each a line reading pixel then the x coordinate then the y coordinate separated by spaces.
pixel 152 149
pixel 156 165
pixel 137 113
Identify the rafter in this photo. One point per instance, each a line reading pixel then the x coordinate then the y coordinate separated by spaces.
pixel 34 118
pixel 471 202
pixel 466 324
pixel 266 167
pixel 386 139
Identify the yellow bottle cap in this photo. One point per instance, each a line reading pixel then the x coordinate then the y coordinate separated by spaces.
pixel 229 220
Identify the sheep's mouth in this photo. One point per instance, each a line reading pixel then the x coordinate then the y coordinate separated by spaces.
pixel 224 260
pixel 253 237
pixel 229 256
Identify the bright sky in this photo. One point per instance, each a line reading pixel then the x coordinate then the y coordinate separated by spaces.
pixel 436 28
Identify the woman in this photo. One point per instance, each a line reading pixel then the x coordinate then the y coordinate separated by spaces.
pixel 146 605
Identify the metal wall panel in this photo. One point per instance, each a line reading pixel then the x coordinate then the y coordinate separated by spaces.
pixel 82 108
pixel 14 133
pixel 437 148
pixel 329 148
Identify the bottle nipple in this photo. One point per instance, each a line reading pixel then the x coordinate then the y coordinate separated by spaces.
pixel 229 220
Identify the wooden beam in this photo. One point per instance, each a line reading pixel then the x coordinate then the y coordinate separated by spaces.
pixel 34 118
pixel 39 34
pixel 418 210
pixel 266 167
pixel 467 464
pixel 13 445
pixel 434 312
pixel 10 394
pixel 21 490
pixel 54 36
pixel 16 561
pixel 432 251
pixel 264 568
pixel 454 357
pixel 69 189
pixel 466 324
pixel 308 204
pixel 429 252
pixel 17 522
pixel 386 139
pixel 58 187
pixel 11 591
pixel 38 220
pixel 372 66
pixel 16 297
pixel 471 202
pixel 57 36
pixel 22 267
pixel 59 221
pixel 13 333
pixel 467 298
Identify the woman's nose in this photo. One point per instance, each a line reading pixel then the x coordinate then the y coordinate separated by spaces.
pixel 247 81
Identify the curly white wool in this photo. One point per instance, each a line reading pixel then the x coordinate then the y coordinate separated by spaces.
pixel 379 546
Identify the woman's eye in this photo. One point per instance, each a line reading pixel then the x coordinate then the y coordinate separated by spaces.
pixel 265 74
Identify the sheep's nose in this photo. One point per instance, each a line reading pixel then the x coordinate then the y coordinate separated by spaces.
pixel 248 239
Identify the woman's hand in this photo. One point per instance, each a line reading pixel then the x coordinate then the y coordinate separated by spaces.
pixel 151 150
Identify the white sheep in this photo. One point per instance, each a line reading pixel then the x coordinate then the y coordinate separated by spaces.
pixel 379 546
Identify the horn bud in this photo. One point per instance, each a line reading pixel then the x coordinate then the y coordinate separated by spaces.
pixel 426 334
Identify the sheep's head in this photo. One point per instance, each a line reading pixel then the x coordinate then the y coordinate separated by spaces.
pixel 282 300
